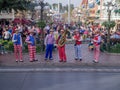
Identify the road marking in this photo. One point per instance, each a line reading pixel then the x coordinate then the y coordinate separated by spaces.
pixel 57 70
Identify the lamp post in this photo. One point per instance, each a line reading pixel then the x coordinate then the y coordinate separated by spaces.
pixel 109 6
pixel 50 14
pixel 42 5
pixel 79 14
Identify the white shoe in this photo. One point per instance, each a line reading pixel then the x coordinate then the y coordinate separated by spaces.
pixel 21 60
pixel 16 60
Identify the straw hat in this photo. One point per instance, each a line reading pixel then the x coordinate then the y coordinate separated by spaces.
pixel 76 30
pixel 62 30
pixel 51 30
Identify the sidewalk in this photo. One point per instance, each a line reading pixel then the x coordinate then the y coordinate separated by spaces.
pixel 108 60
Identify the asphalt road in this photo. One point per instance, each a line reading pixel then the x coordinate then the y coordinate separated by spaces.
pixel 59 81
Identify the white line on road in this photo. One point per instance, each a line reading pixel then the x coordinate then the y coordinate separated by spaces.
pixel 57 70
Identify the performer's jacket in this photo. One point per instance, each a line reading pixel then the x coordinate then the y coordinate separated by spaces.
pixel 32 40
pixel 97 38
pixel 17 37
pixel 77 38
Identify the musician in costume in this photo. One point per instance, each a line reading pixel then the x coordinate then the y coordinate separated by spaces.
pixel 49 43
pixel 78 41
pixel 96 41
pixel 17 40
pixel 31 46
pixel 61 45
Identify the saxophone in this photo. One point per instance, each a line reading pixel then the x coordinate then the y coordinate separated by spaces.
pixel 62 39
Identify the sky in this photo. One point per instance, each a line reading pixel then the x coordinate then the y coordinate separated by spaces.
pixel 64 2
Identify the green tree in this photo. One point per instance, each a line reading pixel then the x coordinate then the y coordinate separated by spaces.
pixel 8 5
pixel 110 25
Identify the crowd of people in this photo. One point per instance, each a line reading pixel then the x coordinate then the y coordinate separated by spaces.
pixel 55 35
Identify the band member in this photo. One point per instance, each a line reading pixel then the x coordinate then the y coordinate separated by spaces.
pixel 97 41
pixel 61 46
pixel 31 46
pixel 17 45
pixel 49 43
pixel 78 41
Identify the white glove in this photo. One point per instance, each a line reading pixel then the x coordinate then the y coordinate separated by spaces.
pixel 14 40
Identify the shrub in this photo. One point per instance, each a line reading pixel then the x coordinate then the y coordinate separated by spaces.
pixel 110 24
pixel 25 47
pixel 10 46
pixel 115 48
pixel 38 49
pixel 41 24
pixel 7 44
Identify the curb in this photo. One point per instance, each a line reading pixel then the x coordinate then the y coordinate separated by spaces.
pixel 59 70
pixel 118 54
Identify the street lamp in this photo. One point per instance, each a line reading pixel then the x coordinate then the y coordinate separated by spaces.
pixel 42 5
pixel 109 6
pixel 50 14
pixel 79 14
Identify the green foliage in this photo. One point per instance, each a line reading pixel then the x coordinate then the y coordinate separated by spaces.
pixel 103 47
pixel 38 49
pixel 41 24
pixel 51 23
pixel 7 44
pixel 98 3
pixel 98 12
pixel 10 47
pixel 117 11
pixel 14 4
pixel 110 24
pixel 115 48
pixel 25 46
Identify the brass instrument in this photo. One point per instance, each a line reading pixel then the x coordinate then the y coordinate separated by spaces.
pixel 62 39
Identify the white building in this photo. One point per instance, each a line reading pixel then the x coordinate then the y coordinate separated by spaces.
pixel 104 14
pixel 7 15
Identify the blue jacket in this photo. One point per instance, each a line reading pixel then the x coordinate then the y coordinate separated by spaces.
pixel 17 39
pixel 32 39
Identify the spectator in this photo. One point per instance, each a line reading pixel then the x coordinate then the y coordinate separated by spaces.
pixel 17 40
pixel 1 32
pixel 7 35
pixel 49 43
